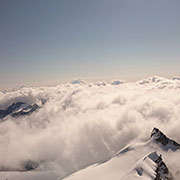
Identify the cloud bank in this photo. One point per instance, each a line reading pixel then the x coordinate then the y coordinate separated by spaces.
pixel 83 123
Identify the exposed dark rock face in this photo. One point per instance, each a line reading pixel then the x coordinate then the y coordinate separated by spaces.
pixel 162 172
pixel 19 109
pixel 10 109
pixel 25 111
pixel 162 139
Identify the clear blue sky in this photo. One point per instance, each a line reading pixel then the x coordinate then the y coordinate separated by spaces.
pixel 51 41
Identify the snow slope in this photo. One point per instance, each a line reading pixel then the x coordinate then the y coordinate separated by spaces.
pixel 135 162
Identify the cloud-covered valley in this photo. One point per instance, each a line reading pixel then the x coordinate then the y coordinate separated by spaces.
pixel 83 123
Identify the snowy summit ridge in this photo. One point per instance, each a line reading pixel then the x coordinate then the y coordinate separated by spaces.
pixel 150 167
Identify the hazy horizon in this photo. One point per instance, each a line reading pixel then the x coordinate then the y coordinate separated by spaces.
pixel 95 81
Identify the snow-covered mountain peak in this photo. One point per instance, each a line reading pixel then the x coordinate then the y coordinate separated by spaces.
pixel 153 79
pixel 78 81
pixel 151 167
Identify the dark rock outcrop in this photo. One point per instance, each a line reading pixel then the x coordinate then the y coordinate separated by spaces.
pixel 19 109
pixel 165 142
pixel 25 111
pixel 162 171
pixel 150 167
pixel 10 109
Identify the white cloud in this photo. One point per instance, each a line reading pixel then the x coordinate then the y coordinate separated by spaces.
pixel 84 123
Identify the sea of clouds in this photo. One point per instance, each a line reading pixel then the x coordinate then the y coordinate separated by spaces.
pixel 83 123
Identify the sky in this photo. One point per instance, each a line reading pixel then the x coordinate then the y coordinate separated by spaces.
pixel 53 41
